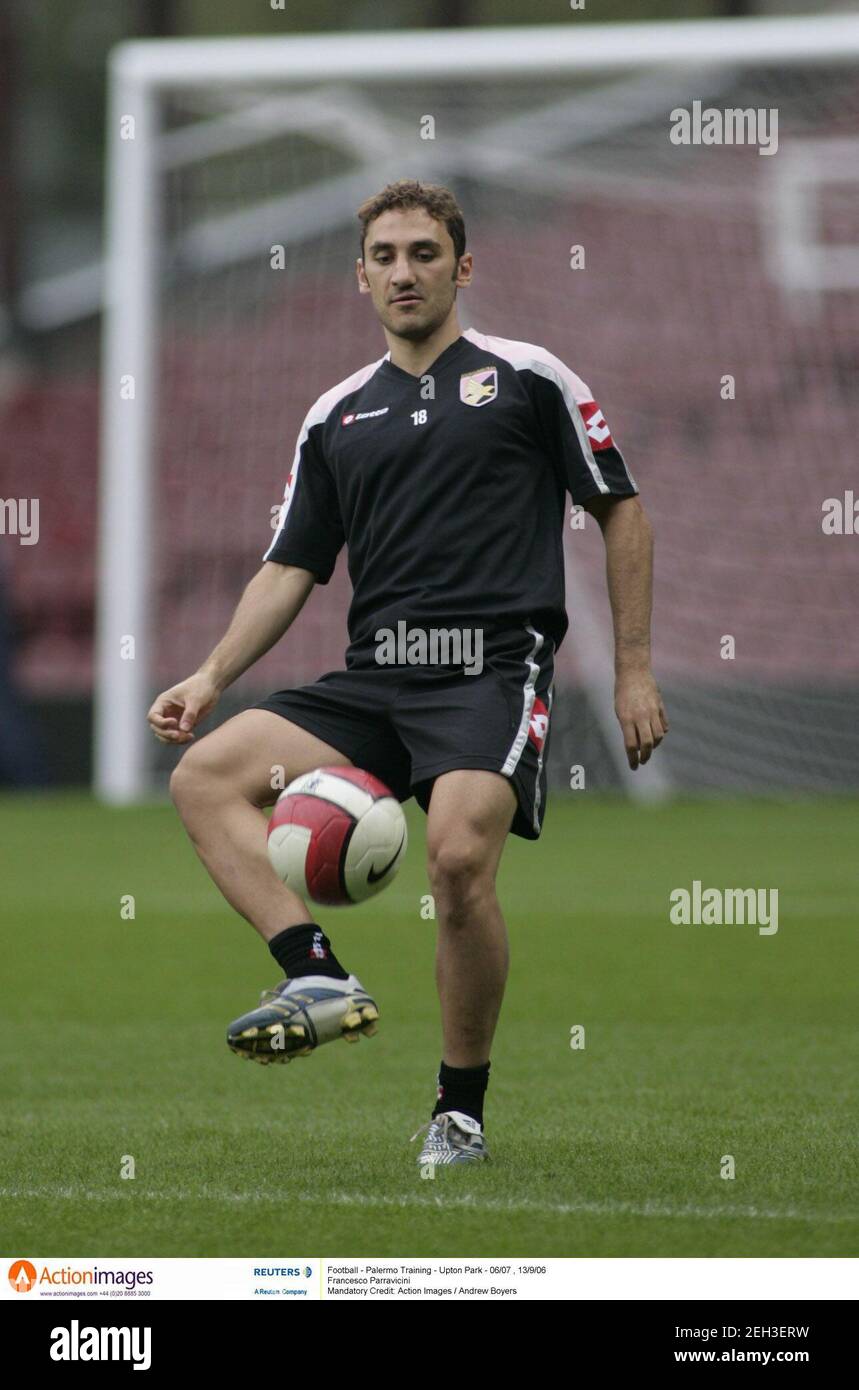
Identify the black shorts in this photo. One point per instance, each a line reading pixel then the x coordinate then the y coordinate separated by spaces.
pixel 407 725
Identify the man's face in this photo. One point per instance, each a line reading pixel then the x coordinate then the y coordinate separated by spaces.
pixel 410 269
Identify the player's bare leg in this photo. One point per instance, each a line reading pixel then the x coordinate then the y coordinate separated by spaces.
pixel 469 817
pixel 220 788
pixel 470 814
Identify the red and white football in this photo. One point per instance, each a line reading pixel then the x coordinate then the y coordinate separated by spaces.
pixel 337 836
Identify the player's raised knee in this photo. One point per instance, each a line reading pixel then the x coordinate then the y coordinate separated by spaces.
pixel 180 779
pixel 192 776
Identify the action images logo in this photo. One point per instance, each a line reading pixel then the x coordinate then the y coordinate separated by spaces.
pixel 24 1277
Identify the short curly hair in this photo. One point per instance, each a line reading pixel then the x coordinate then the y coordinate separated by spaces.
pixel 437 200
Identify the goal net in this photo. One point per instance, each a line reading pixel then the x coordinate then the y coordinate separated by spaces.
pixel 671 209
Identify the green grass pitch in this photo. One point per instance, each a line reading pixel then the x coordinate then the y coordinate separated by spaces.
pixel 701 1041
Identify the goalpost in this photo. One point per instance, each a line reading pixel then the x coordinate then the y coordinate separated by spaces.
pixel 233 170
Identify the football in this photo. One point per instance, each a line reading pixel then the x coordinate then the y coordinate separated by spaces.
pixel 337 836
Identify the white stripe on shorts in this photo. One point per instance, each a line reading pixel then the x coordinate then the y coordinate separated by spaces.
pixel 529 694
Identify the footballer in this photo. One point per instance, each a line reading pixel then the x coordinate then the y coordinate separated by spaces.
pixel 443 466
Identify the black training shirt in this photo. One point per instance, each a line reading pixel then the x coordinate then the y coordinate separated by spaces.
pixel 448 489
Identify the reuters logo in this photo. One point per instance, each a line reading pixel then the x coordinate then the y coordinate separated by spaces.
pixel 22 1276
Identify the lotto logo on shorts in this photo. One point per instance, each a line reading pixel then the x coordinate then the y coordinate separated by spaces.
pixel 538 725
pixel 595 423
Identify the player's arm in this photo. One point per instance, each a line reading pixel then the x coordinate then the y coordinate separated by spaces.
pixel 269 605
pixel 592 469
pixel 302 553
pixel 629 570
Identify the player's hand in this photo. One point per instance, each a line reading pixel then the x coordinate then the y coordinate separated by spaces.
pixel 179 710
pixel 641 715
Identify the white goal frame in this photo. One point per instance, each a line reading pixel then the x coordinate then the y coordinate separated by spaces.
pixel 140 72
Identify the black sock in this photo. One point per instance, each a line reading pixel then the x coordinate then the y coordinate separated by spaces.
pixel 462 1088
pixel 306 950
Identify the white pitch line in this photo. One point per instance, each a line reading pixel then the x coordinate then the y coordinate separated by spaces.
pixel 461 1203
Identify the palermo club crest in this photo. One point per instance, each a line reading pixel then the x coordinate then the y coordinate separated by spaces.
pixel 479 388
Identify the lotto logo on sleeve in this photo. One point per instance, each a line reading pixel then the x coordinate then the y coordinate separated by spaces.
pixel 538 725
pixel 595 423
